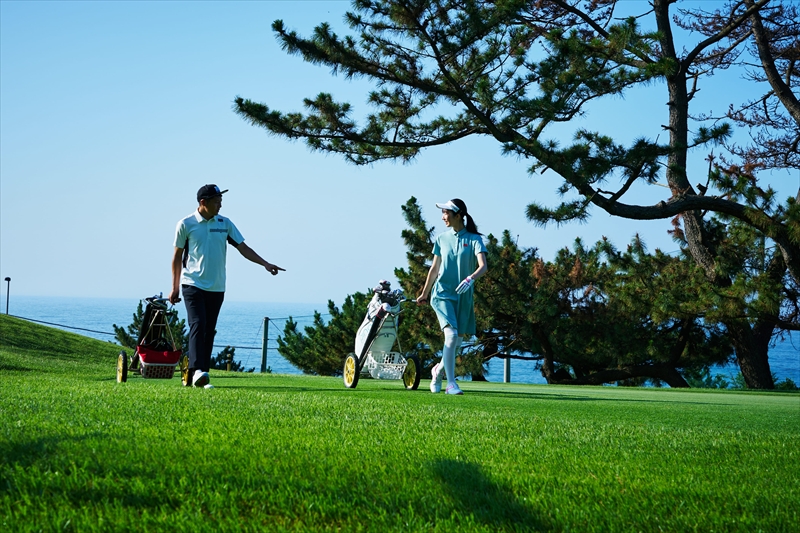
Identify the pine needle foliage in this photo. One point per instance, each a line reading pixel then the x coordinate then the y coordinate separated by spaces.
pixel 323 346
pixel 517 73
pixel 592 315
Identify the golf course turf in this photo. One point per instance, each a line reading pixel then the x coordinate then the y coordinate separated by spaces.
pixel 81 452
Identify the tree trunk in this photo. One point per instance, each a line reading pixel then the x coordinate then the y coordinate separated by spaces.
pixel 548 368
pixel 752 359
pixel 752 342
pixel 781 89
pixel 752 348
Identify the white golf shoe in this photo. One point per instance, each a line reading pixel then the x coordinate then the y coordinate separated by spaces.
pixel 452 388
pixel 436 377
pixel 200 378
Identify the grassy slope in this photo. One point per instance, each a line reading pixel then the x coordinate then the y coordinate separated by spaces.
pixel 81 452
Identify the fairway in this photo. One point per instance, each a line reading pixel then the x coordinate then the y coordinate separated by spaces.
pixel 81 452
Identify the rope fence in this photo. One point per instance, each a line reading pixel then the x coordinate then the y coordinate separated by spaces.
pixel 215 346
pixel 63 326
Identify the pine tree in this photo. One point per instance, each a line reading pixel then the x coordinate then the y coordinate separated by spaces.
pixel 593 315
pixel 514 70
pixel 322 348
pixel 228 356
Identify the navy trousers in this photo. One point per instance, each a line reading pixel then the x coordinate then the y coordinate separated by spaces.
pixel 202 310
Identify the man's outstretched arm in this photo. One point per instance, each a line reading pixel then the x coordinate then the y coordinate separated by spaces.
pixel 251 255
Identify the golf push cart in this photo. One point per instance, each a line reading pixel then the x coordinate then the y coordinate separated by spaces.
pixel 374 342
pixel 156 355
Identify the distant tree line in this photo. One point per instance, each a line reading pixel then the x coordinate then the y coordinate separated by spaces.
pixel 593 315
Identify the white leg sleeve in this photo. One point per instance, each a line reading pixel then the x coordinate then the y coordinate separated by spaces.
pixel 451 341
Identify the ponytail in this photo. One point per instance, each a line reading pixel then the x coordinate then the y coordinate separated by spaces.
pixel 469 223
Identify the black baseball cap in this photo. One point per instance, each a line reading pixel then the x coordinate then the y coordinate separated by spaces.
pixel 209 191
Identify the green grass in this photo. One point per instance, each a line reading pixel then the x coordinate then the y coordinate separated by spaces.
pixel 83 453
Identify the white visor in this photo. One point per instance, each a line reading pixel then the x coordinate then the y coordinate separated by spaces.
pixel 449 205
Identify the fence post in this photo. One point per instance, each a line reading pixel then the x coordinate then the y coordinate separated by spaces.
pixel 507 370
pixel 264 342
pixel 8 291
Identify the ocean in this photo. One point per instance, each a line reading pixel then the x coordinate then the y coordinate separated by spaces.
pixel 241 325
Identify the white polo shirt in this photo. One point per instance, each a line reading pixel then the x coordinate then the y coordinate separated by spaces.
pixel 206 241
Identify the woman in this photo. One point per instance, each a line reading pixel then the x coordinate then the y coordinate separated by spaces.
pixel 459 258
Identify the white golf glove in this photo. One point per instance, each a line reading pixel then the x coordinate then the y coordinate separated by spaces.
pixel 465 285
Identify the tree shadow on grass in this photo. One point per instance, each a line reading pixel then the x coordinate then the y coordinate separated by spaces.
pixel 575 398
pixel 14 368
pixel 489 503
pixel 48 454
pixel 279 388
pixel 29 452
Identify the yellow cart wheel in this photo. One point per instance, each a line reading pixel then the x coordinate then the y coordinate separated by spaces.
pixel 412 373
pixel 184 365
pixel 351 371
pixel 122 367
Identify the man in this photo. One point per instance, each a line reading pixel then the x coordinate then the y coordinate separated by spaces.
pixel 198 268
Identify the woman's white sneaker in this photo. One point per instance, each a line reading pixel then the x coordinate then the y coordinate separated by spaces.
pixel 452 388
pixel 436 377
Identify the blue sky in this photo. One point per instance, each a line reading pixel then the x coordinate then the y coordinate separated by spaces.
pixel 113 114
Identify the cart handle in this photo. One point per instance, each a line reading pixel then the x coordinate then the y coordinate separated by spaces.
pixel 159 300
